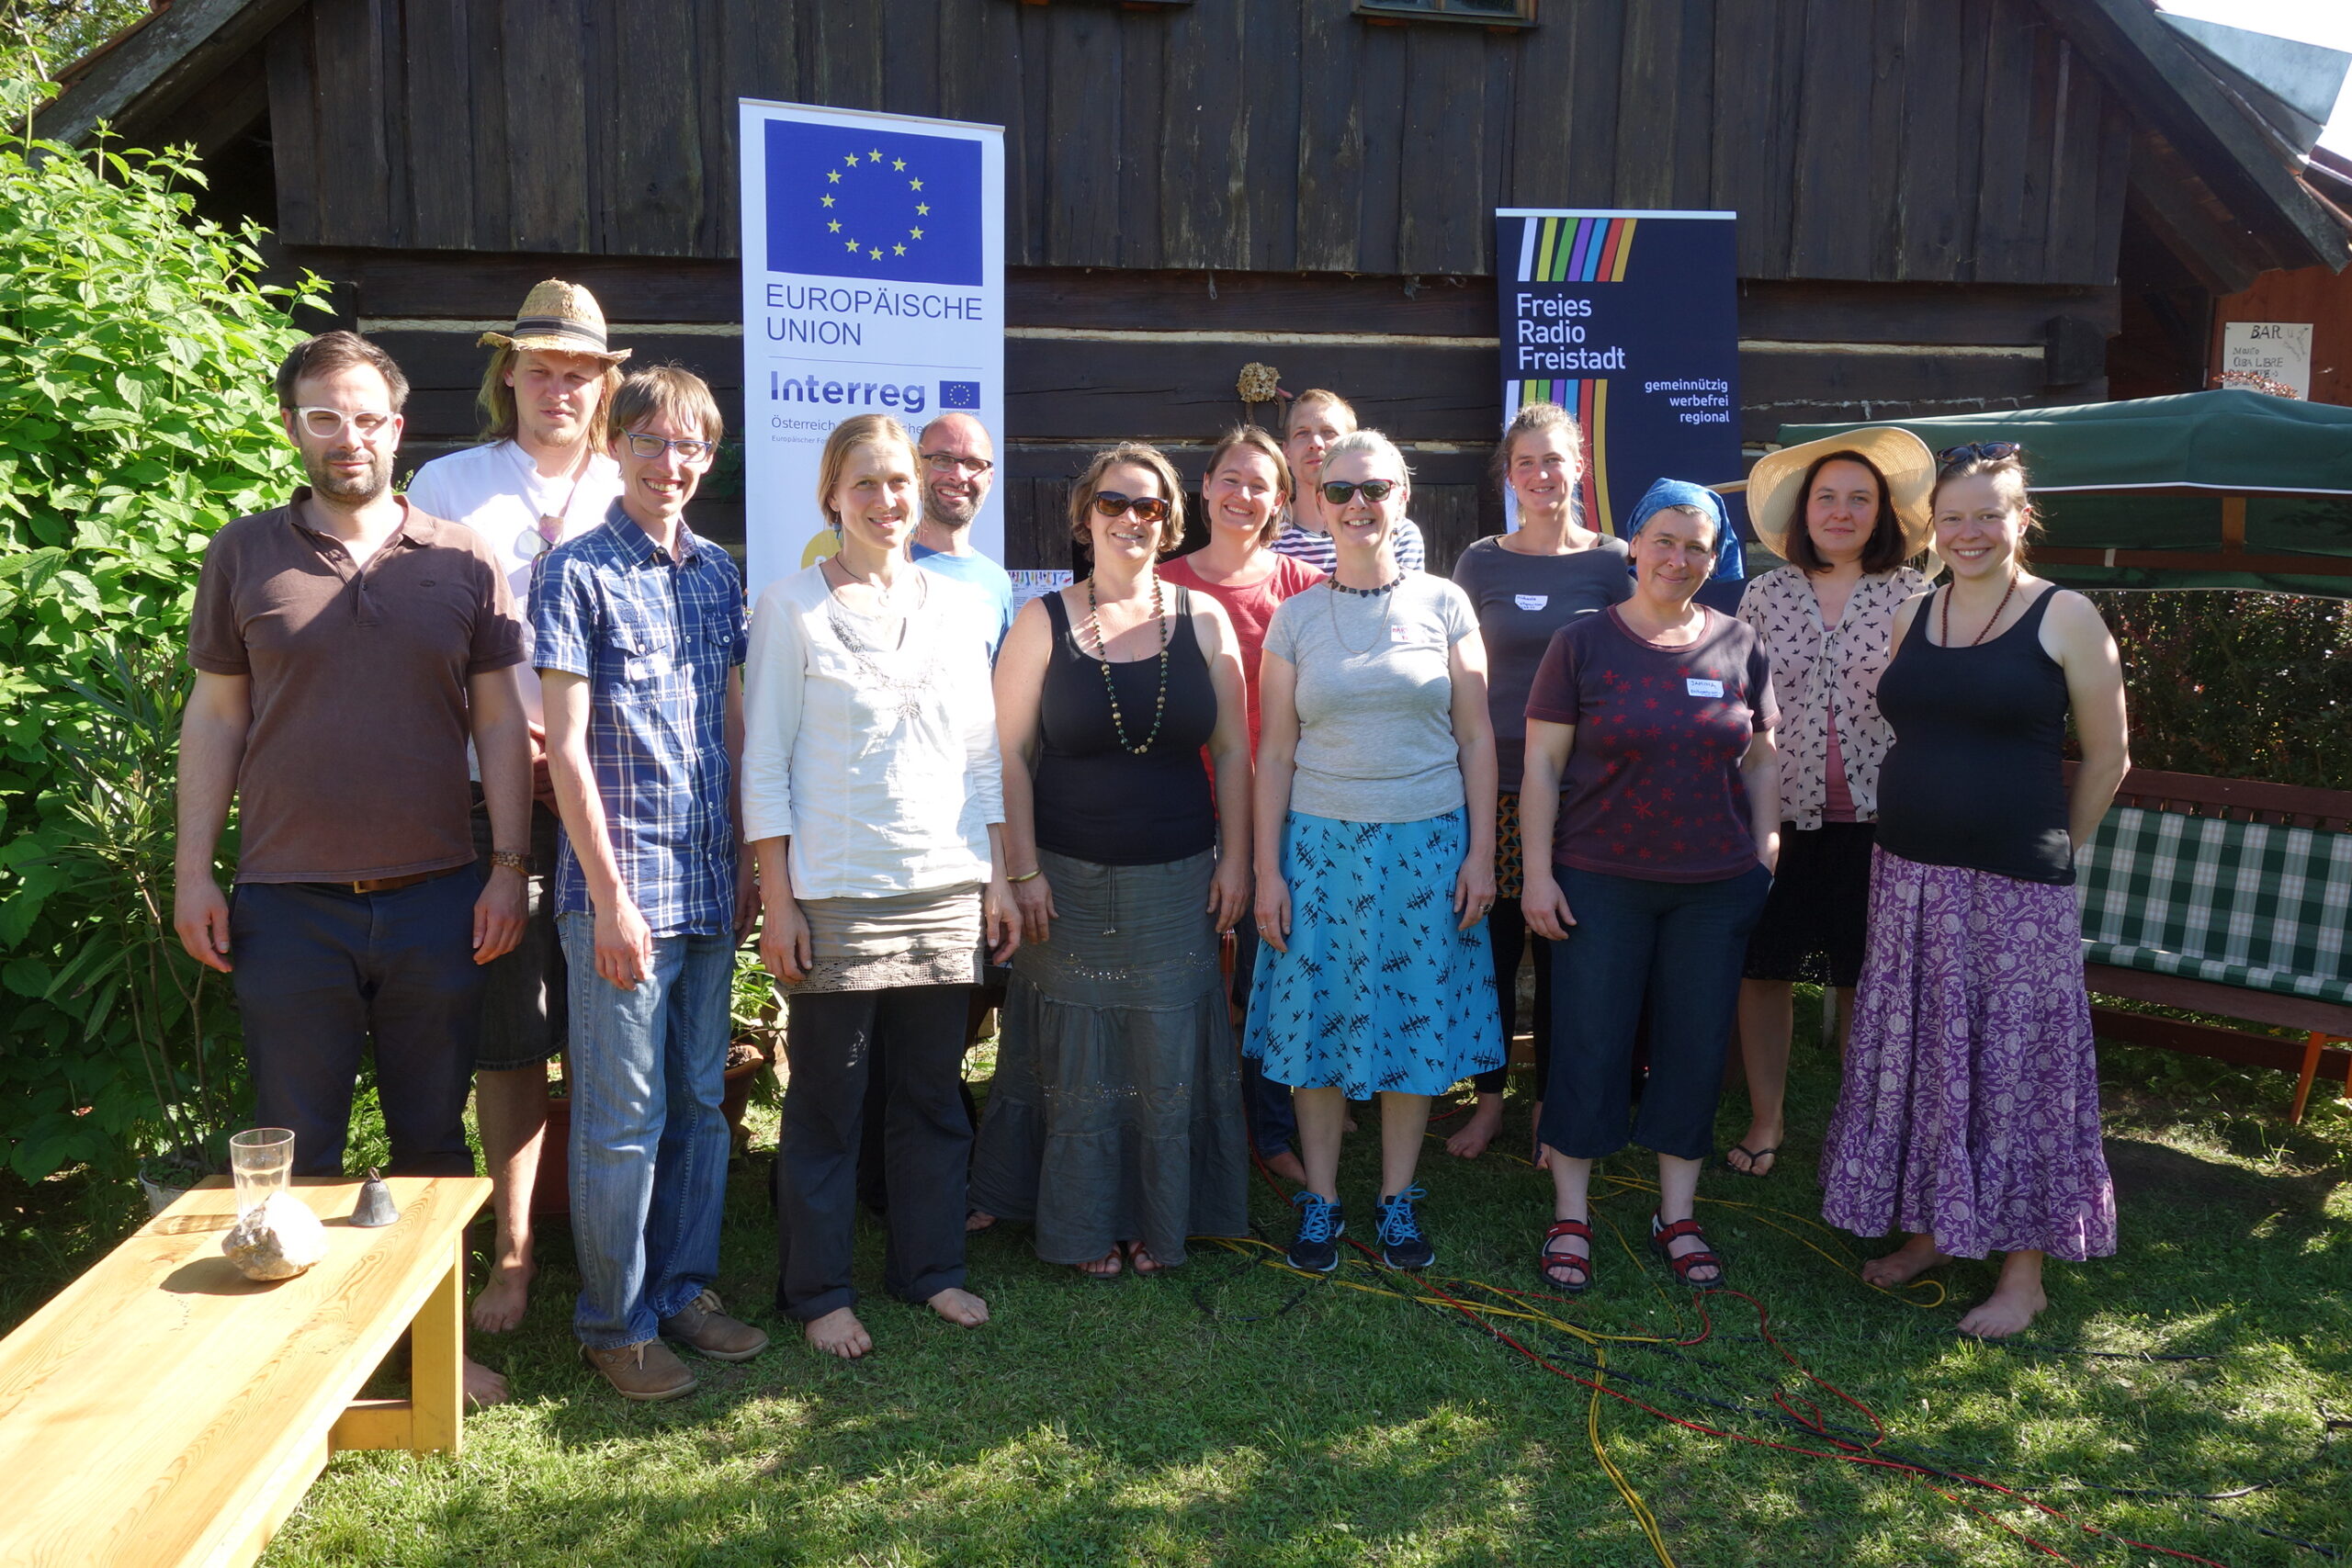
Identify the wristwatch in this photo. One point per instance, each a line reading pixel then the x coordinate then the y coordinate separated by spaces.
pixel 513 859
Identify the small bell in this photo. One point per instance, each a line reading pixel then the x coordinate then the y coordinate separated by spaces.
pixel 375 1206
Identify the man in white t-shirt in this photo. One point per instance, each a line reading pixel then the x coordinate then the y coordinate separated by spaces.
pixel 541 476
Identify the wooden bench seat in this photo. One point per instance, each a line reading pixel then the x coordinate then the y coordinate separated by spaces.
pixel 2228 897
pixel 164 1409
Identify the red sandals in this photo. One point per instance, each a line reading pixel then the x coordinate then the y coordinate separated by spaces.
pixel 1662 1239
pixel 1547 1260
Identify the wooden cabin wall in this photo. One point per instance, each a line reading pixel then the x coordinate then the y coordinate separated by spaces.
pixel 1095 356
pixel 1929 140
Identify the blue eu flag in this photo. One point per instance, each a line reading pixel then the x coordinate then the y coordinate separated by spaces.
pixel 889 206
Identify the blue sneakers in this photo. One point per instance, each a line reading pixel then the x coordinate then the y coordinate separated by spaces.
pixel 1402 1244
pixel 1320 1225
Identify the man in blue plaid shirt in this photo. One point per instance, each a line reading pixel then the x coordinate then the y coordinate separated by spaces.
pixel 640 628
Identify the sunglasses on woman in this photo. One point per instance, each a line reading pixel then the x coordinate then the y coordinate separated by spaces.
pixel 1147 508
pixel 1339 493
pixel 1978 451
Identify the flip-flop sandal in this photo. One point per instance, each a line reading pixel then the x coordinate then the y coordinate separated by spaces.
pixel 1755 1158
pixel 1116 1257
pixel 1137 1256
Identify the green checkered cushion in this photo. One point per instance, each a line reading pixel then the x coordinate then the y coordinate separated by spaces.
pixel 2241 903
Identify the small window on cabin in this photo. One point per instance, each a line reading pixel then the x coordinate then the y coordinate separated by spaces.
pixel 1479 12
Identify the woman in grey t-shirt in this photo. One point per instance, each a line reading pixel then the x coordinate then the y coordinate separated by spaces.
pixel 1376 848
pixel 1525 586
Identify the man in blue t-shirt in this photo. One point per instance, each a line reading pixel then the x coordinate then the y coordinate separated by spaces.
pixel 959 467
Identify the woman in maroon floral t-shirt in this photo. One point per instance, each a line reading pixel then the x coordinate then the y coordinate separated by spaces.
pixel 1649 734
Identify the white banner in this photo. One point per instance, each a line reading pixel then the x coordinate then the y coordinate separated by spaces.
pixel 873 250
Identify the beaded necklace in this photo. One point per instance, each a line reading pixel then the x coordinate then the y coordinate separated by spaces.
pixel 1103 657
pixel 1386 593
pixel 1989 625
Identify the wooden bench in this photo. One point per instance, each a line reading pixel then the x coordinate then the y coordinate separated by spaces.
pixel 2228 897
pixel 164 1409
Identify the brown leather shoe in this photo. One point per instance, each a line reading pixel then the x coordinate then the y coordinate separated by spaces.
pixel 703 1325
pixel 647 1370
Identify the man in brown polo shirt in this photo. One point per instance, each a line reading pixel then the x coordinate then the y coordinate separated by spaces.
pixel 347 646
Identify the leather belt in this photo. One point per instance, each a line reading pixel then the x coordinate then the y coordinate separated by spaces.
pixel 394 884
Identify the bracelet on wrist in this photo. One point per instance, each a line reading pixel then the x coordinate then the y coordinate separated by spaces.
pixel 1028 875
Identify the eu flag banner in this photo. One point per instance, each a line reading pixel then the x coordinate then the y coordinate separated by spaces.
pixel 848 201
pixel 1630 319
pixel 873 250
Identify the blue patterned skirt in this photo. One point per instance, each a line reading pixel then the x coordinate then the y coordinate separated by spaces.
pixel 1378 991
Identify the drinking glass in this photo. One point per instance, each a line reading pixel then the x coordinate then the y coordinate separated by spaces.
pixel 260 1160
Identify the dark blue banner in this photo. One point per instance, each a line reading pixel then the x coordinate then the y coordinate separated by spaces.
pixel 1630 320
pixel 893 206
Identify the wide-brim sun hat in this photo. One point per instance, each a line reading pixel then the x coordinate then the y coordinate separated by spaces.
pixel 557 318
pixel 1775 505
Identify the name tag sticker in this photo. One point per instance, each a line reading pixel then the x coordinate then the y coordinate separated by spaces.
pixel 650 666
pixel 1530 602
pixel 1699 688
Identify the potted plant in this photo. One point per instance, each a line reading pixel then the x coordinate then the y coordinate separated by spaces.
pixel 755 1011
pixel 139 997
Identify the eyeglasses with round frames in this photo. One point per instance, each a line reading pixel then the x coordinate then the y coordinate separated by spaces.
pixel 1339 493
pixel 949 463
pixel 1148 508
pixel 653 447
pixel 328 423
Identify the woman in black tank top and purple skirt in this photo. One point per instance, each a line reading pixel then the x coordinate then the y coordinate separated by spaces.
pixel 1970 1111
pixel 1114 1124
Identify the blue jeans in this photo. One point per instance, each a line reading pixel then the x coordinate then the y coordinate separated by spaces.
pixel 649 1141
pixel 1679 945
pixel 325 975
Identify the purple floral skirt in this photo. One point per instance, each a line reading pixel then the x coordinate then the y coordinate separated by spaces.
pixel 1969 1109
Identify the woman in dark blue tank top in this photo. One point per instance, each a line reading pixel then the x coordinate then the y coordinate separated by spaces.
pixel 1114 1124
pixel 1969 1114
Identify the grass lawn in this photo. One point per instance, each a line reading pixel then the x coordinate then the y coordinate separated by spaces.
pixel 1231 1411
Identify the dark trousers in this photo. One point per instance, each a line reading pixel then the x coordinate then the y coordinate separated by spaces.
pixel 1678 945
pixel 322 975
pixel 1265 1104
pixel 1508 936
pixel 873 1188
pixel 832 1043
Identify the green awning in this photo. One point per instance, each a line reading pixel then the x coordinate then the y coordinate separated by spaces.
pixel 2160 476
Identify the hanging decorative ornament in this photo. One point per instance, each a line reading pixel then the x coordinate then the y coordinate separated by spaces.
pixel 1259 383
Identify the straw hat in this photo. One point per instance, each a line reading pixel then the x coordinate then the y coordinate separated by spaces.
pixel 1774 505
pixel 557 318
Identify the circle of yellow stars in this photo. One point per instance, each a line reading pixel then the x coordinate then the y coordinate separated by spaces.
pixel 914 184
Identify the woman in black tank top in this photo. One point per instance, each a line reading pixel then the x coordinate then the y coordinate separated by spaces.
pixel 1969 1114
pixel 1115 1121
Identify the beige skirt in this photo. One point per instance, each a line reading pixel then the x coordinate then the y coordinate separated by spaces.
pixel 931 938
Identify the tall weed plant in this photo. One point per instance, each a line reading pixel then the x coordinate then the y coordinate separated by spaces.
pixel 137 344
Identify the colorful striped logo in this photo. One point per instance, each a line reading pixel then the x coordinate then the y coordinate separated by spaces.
pixel 1579 250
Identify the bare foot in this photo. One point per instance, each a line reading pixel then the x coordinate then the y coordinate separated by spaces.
pixel 1140 1256
pixel 483 1387
pixel 1104 1268
pixel 1479 1130
pixel 1756 1153
pixel 839 1333
pixel 1287 1165
pixel 977 1219
pixel 1904 1264
pixel 501 1305
pixel 2010 1307
pixel 960 1307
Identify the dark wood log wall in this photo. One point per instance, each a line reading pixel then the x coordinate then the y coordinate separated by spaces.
pixel 1945 141
pixel 1924 186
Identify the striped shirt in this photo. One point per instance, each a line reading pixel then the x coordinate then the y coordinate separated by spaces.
pixel 655 635
pixel 1317 551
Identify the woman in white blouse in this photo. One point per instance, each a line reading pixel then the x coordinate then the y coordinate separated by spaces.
pixel 873 801
pixel 1846 512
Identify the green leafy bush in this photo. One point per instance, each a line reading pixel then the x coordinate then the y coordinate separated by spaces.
pixel 137 344
pixel 2238 685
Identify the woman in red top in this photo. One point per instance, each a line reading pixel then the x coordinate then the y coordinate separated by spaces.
pixel 1247 490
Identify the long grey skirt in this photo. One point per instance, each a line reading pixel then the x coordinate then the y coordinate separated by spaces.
pixel 1115 1114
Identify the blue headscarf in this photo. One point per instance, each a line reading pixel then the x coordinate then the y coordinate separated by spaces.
pixel 1730 564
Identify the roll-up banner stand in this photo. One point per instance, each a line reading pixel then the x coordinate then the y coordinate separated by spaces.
pixel 1630 319
pixel 873 250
